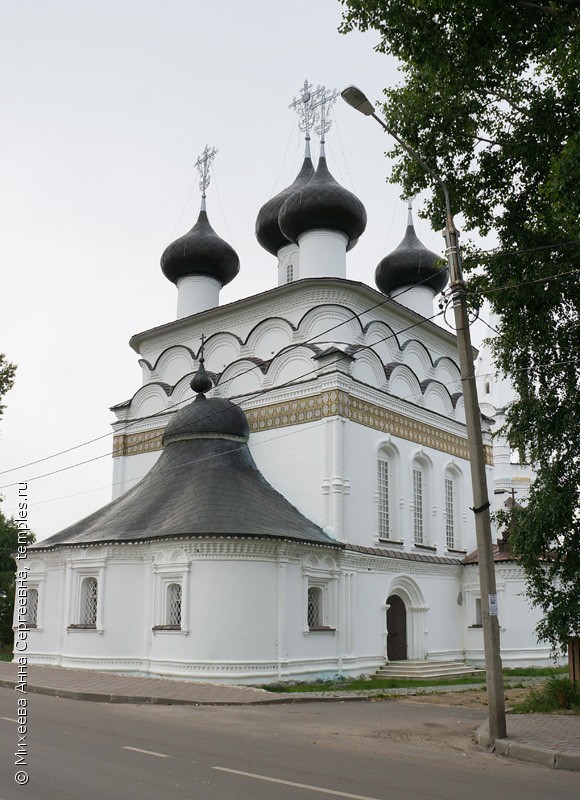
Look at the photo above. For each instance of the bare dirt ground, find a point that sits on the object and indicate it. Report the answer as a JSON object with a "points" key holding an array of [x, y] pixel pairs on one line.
{"points": [[475, 699]]}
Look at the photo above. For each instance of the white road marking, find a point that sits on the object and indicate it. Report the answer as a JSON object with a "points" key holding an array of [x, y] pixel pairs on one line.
{"points": [[334, 792], [9, 719], [147, 752]]}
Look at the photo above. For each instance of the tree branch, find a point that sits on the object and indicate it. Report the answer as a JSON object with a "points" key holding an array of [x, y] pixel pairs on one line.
{"points": [[488, 141], [554, 12]]}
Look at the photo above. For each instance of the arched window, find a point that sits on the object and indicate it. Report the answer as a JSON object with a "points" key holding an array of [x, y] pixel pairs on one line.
{"points": [[450, 505], [89, 598], [383, 492], [32, 607], [289, 273], [451, 508], [174, 605], [387, 483], [314, 607], [421, 497], [418, 503]]}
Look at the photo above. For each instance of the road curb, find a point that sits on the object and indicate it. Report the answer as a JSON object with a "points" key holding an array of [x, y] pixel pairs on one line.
{"points": [[120, 699], [528, 752]]}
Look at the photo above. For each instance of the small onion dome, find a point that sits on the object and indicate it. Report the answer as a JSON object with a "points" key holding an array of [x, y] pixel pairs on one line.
{"points": [[410, 264], [268, 231], [200, 252], [323, 204], [213, 418]]}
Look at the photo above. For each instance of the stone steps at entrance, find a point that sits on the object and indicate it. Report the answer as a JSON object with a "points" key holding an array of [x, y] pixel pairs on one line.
{"points": [[427, 669]]}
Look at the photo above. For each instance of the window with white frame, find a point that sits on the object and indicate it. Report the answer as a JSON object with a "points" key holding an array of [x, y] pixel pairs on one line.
{"points": [[320, 598], [173, 605], [89, 601], [32, 607], [290, 273], [418, 504], [383, 489], [478, 617], [171, 593]]}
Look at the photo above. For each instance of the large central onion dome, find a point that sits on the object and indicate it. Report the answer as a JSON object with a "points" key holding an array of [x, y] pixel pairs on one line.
{"points": [[411, 264], [200, 252], [323, 204], [268, 230]]}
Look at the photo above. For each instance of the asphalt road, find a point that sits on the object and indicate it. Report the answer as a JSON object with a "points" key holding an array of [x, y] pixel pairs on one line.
{"points": [[391, 750]]}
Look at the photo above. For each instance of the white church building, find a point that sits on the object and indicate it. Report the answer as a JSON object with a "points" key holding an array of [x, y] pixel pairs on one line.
{"points": [[291, 480]]}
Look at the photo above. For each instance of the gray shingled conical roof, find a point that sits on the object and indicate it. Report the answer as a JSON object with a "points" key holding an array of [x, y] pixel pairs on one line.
{"points": [[204, 484], [268, 230]]}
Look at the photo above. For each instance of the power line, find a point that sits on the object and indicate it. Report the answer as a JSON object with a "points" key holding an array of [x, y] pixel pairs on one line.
{"points": [[172, 406], [254, 396], [487, 254]]}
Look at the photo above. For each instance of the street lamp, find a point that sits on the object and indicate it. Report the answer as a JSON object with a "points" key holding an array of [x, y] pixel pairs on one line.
{"points": [[496, 701]]}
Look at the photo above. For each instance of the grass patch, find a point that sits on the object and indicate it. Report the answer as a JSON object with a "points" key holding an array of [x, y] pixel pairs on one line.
{"points": [[558, 694], [533, 672], [6, 654], [362, 684], [365, 684]]}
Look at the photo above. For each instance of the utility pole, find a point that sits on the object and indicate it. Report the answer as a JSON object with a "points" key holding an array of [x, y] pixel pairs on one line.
{"points": [[490, 623]]}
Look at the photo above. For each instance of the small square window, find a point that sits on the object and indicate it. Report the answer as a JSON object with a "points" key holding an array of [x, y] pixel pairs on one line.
{"points": [[89, 600], [32, 608], [173, 616], [315, 618], [478, 617]]}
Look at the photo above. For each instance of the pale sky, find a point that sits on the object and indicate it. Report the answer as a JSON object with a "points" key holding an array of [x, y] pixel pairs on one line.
{"points": [[106, 107]]}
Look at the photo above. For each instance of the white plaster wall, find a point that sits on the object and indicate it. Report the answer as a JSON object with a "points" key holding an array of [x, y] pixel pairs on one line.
{"points": [[292, 460], [517, 619], [196, 293], [129, 470], [322, 254], [434, 629], [418, 298], [361, 450], [47, 638]]}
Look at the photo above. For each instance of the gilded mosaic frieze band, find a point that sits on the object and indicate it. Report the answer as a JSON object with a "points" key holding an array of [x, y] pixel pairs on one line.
{"points": [[131, 444], [317, 407]]}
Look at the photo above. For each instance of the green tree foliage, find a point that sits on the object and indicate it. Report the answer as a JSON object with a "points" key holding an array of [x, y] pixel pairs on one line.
{"points": [[7, 371], [489, 98], [8, 546], [8, 531]]}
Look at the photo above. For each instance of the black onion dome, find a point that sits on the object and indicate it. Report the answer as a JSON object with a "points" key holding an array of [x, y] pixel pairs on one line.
{"points": [[323, 204], [200, 252], [206, 419], [268, 231], [409, 264]]}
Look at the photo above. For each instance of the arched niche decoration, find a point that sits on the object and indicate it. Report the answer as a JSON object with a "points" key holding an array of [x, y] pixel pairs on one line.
{"points": [[269, 337], [368, 369], [417, 358], [403, 383], [437, 398], [315, 324]]}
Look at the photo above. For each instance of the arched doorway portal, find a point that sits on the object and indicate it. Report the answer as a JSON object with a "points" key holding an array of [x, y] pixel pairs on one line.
{"points": [[396, 629]]}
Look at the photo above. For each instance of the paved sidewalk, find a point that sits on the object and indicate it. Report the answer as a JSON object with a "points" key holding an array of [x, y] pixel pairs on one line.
{"points": [[552, 740], [549, 739]]}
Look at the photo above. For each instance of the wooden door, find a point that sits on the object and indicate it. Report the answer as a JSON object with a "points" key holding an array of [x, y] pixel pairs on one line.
{"points": [[396, 629]]}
